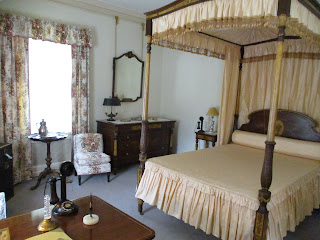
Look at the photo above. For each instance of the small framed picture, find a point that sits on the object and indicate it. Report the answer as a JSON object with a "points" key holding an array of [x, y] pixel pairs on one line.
{"points": [[4, 234]]}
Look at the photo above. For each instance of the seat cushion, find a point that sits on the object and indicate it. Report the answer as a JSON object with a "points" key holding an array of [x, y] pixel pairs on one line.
{"points": [[97, 169], [91, 158]]}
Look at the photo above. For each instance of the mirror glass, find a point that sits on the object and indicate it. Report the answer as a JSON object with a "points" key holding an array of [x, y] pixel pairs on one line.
{"points": [[127, 77]]}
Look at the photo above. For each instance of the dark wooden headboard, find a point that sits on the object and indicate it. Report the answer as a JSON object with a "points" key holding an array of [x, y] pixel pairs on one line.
{"points": [[289, 124]]}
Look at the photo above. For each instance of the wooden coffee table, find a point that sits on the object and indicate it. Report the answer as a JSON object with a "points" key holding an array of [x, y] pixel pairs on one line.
{"points": [[113, 224]]}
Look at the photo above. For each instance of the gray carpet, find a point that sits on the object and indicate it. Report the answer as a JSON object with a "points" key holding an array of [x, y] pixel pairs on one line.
{"points": [[120, 193]]}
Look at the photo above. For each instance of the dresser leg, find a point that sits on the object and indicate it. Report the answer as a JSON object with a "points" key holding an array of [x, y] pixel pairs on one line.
{"points": [[79, 179], [108, 175]]}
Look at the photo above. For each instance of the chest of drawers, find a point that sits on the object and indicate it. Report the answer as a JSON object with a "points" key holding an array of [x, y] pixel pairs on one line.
{"points": [[6, 170], [122, 140]]}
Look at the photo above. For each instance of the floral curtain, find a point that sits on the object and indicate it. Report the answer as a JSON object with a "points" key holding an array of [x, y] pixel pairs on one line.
{"points": [[14, 104], [80, 89]]}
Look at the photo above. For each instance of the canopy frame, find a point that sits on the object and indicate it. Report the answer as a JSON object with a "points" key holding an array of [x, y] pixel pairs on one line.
{"points": [[283, 13]]}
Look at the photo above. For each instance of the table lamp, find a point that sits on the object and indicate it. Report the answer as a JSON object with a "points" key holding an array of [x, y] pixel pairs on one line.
{"points": [[112, 102], [212, 113]]}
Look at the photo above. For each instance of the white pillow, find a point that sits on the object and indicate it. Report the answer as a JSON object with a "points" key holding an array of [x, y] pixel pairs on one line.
{"points": [[288, 146]]}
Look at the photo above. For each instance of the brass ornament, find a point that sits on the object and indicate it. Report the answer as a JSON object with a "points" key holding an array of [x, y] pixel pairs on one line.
{"points": [[47, 225], [279, 128]]}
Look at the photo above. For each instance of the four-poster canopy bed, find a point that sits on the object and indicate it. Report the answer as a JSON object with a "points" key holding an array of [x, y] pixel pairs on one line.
{"points": [[241, 32]]}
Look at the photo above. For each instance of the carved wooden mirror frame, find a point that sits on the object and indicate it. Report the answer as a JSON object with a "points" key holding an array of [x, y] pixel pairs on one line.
{"points": [[129, 55]]}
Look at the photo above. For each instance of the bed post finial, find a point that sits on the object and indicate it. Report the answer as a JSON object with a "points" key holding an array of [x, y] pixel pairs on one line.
{"points": [[261, 222], [144, 127]]}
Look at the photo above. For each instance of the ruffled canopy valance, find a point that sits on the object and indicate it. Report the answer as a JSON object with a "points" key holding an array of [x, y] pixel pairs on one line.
{"points": [[14, 25], [237, 21]]}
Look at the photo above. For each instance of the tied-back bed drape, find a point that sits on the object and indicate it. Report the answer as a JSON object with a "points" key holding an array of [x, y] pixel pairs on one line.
{"points": [[14, 103]]}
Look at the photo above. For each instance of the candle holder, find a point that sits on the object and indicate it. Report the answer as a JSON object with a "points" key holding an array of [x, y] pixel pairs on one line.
{"points": [[90, 219], [47, 224]]}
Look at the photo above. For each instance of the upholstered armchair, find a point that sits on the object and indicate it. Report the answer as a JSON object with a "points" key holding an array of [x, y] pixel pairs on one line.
{"points": [[2, 206], [89, 157]]}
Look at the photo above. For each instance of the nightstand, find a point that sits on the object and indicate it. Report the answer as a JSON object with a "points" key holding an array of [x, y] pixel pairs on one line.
{"points": [[206, 136]]}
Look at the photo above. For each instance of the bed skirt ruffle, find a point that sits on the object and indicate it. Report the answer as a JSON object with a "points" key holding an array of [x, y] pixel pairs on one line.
{"points": [[226, 215]]}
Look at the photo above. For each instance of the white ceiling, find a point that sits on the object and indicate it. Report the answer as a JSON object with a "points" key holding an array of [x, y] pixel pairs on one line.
{"points": [[140, 6]]}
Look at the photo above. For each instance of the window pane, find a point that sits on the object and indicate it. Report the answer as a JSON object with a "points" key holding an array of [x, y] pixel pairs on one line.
{"points": [[50, 74]]}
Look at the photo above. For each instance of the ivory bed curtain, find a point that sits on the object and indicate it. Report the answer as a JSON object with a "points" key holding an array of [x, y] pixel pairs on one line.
{"points": [[300, 79]]}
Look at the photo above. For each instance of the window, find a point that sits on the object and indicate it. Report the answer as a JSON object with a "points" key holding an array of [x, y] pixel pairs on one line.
{"points": [[50, 74]]}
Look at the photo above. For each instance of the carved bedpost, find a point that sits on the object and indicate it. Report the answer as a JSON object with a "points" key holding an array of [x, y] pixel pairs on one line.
{"points": [[261, 222], [144, 128], [236, 114]]}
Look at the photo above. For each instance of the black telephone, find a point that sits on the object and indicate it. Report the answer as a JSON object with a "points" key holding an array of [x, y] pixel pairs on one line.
{"points": [[200, 124], [63, 207]]}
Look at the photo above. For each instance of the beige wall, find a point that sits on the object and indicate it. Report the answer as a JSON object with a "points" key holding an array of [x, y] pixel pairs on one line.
{"points": [[191, 84], [182, 87]]}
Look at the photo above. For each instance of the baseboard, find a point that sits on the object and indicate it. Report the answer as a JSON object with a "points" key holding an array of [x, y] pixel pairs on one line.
{"points": [[36, 170]]}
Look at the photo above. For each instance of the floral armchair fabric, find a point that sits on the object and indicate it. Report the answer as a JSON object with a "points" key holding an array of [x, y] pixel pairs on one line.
{"points": [[88, 155], [2, 206]]}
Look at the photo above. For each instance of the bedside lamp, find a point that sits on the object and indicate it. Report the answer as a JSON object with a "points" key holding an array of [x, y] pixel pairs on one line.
{"points": [[212, 113], [112, 102]]}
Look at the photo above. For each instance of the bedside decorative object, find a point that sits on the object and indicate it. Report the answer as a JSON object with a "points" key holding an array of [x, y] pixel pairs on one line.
{"points": [[206, 136], [47, 224], [212, 113], [90, 219], [122, 140], [111, 102], [200, 124], [6, 170]]}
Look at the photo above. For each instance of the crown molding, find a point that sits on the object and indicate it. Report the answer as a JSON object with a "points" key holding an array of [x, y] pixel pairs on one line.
{"points": [[104, 8]]}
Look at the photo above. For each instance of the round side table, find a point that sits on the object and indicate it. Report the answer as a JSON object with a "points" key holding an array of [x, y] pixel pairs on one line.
{"points": [[48, 139]]}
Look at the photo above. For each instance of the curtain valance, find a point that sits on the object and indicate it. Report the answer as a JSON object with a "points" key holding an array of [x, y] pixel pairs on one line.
{"points": [[291, 49], [197, 43], [14, 25]]}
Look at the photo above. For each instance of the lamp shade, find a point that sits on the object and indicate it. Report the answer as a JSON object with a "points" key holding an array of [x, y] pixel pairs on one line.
{"points": [[112, 101], [212, 112]]}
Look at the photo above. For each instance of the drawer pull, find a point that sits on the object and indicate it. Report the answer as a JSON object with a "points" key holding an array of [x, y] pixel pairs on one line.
{"points": [[8, 156], [127, 154], [128, 137], [6, 166]]}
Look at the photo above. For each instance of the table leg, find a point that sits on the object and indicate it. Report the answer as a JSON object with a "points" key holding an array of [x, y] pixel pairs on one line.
{"points": [[207, 144], [47, 170], [213, 144], [48, 159], [197, 143]]}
